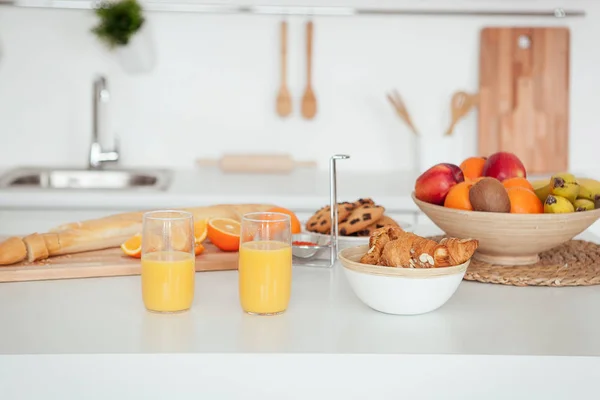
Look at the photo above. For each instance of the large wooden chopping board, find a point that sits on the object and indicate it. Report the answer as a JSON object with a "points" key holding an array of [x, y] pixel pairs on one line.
{"points": [[102, 263], [524, 95]]}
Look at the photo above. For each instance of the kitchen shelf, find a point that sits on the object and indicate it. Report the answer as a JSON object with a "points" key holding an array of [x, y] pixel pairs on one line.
{"points": [[194, 7]]}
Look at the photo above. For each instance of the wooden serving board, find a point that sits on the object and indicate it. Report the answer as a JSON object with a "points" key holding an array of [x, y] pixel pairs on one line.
{"points": [[524, 95], [103, 263]]}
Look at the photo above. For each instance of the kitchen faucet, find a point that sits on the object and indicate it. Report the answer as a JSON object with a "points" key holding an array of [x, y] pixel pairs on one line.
{"points": [[97, 155]]}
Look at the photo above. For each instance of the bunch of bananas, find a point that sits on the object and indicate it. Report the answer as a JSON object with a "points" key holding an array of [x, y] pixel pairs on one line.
{"points": [[565, 193]]}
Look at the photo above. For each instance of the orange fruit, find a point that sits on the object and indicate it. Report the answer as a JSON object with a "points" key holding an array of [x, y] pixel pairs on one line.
{"points": [[524, 201], [198, 249], [133, 246], [472, 168], [295, 222], [200, 230], [458, 197], [224, 233], [517, 182]]}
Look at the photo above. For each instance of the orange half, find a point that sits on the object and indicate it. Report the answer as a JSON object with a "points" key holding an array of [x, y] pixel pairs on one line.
{"points": [[133, 246], [224, 233]]}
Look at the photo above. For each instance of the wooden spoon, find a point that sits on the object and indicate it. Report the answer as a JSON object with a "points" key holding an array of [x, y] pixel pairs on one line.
{"points": [[396, 101], [309, 102], [284, 100], [460, 104]]}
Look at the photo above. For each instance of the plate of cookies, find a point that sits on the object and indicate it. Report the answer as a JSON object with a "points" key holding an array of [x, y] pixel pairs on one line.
{"points": [[357, 221]]}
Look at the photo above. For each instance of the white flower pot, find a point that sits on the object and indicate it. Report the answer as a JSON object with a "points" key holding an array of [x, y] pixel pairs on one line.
{"points": [[139, 55]]}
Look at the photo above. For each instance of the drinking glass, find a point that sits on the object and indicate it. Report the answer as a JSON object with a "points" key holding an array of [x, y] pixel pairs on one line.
{"points": [[265, 263], [168, 261]]}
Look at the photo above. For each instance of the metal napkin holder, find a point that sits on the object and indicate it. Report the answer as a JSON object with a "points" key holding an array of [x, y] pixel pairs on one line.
{"points": [[310, 255]]}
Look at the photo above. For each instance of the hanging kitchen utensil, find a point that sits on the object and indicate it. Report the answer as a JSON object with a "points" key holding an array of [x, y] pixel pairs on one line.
{"points": [[460, 105], [309, 101], [396, 101], [524, 96], [284, 100]]}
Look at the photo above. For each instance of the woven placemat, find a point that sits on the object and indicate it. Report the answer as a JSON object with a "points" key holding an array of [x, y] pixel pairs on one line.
{"points": [[575, 263]]}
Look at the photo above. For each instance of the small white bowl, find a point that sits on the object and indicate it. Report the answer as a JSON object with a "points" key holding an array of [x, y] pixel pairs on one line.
{"points": [[321, 243], [400, 291]]}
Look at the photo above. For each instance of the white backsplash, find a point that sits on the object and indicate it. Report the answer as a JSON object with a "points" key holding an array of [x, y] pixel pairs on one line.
{"points": [[213, 89]]}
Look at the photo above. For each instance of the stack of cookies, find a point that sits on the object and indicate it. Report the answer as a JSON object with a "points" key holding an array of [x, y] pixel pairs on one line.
{"points": [[359, 218]]}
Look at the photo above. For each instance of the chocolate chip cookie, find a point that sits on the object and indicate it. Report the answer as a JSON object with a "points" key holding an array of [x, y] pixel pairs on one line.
{"points": [[380, 223], [360, 218], [321, 221]]}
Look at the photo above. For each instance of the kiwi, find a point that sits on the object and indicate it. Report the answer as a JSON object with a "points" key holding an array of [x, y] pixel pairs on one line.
{"points": [[489, 195]]}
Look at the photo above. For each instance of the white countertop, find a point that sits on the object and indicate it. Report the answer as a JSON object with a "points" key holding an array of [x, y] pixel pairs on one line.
{"points": [[556, 330], [304, 189]]}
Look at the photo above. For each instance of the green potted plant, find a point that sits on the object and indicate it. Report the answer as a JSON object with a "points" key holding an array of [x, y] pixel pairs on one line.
{"points": [[123, 28]]}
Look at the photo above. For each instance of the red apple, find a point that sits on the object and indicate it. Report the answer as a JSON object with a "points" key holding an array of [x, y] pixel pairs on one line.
{"points": [[504, 165], [434, 184]]}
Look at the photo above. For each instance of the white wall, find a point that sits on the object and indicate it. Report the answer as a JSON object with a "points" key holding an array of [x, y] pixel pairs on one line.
{"points": [[214, 87]]}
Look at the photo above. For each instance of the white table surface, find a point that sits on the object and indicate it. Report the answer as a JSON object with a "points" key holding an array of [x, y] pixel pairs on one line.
{"points": [[509, 339]]}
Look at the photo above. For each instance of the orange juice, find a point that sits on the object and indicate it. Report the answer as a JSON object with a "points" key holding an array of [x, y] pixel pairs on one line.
{"points": [[265, 276], [168, 280]]}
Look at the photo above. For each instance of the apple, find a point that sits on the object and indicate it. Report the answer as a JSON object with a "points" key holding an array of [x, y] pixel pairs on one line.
{"points": [[434, 184], [504, 165]]}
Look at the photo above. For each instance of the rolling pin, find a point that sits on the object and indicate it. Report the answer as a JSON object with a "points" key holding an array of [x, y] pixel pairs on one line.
{"points": [[256, 163]]}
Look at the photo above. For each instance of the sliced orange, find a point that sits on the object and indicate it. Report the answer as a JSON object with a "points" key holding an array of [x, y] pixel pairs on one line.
{"points": [[224, 233], [200, 230], [133, 246], [181, 240], [198, 249]]}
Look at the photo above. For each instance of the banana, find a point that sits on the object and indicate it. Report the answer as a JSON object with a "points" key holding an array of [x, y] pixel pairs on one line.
{"points": [[538, 183], [588, 189], [583, 205], [564, 185], [557, 205], [542, 191]]}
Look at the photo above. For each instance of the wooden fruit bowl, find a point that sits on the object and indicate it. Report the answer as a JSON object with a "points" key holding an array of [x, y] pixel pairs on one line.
{"points": [[509, 239]]}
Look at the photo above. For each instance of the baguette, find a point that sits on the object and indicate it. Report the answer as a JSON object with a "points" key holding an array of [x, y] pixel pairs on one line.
{"points": [[36, 247], [102, 233], [12, 251]]}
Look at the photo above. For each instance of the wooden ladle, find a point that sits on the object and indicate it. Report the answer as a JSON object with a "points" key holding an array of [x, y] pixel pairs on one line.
{"points": [[284, 99], [309, 101], [461, 104]]}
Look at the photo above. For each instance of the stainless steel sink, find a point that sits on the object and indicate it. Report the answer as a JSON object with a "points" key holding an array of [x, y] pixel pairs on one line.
{"points": [[74, 178]]}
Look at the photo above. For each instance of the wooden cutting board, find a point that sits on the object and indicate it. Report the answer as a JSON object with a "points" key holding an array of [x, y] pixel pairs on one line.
{"points": [[524, 95], [102, 263]]}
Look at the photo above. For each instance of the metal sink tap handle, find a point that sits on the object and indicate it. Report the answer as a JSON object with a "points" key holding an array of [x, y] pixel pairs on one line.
{"points": [[97, 156]]}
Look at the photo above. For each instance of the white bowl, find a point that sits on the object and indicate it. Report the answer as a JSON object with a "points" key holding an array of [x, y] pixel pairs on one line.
{"points": [[400, 291], [322, 243]]}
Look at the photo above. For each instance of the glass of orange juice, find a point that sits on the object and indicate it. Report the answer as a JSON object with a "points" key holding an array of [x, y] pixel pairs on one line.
{"points": [[265, 263], [168, 261]]}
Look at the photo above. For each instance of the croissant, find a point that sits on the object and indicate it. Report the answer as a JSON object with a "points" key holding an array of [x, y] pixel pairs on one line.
{"points": [[379, 238], [407, 250]]}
